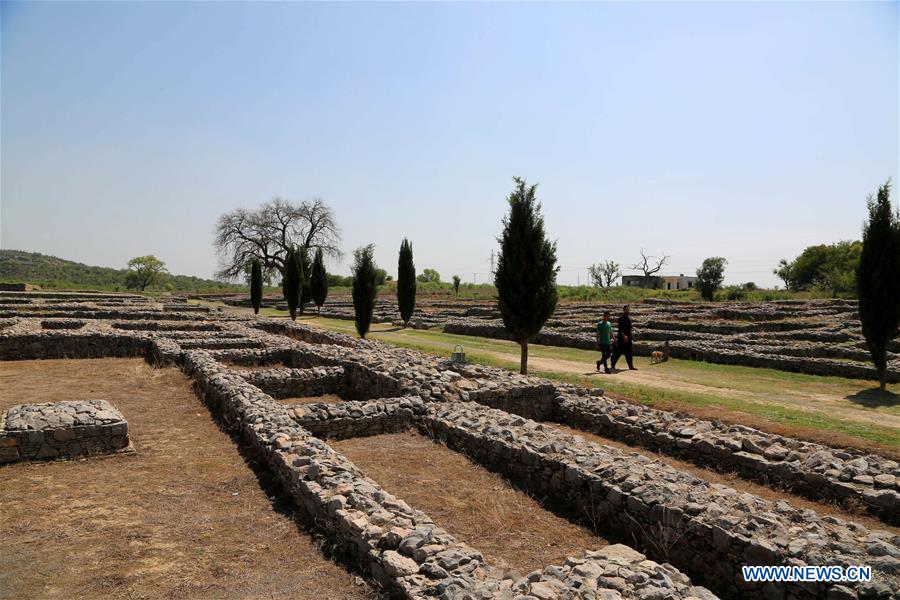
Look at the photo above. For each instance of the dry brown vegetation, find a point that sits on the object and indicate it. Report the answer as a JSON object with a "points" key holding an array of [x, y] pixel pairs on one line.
{"points": [[184, 516], [480, 508]]}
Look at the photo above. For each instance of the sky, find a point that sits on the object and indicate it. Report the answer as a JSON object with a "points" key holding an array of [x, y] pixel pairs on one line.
{"points": [[747, 130]]}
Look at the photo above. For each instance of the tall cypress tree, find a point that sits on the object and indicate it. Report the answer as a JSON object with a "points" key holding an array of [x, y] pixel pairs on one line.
{"points": [[878, 278], [406, 281], [256, 285], [292, 282], [318, 281], [526, 271], [365, 290], [306, 268]]}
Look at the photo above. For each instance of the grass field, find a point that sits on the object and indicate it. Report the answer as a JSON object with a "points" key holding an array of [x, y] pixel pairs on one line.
{"points": [[831, 410]]}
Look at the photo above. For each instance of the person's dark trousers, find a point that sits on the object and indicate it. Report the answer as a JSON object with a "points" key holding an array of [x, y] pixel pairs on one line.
{"points": [[622, 348], [606, 352]]}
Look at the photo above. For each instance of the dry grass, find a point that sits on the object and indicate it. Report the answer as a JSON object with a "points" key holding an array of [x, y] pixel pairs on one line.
{"points": [[184, 516], [480, 508], [732, 480]]}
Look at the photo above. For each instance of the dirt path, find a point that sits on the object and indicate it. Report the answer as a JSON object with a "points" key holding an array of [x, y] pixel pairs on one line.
{"points": [[665, 380]]}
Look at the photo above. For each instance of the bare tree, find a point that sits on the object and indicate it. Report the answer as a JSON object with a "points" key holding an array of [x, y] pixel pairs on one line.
{"points": [[605, 273], [650, 265], [267, 232]]}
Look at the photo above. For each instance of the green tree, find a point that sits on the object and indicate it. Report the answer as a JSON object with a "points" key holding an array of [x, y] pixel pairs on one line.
{"points": [[365, 290], [710, 276], [456, 281], [406, 281], [526, 270], [605, 273], [306, 263], [292, 281], [318, 281], [144, 271], [381, 276], [429, 276], [878, 278], [256, 285], [826, 266], [783, 271]]}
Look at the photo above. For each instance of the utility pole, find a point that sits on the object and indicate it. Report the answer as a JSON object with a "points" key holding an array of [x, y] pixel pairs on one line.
{"points": [[492, 263]]}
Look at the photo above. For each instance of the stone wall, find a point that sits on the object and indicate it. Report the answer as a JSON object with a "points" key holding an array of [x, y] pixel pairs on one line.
{"points": [[62, 324], [297, 383], [398, 545], [71, 344], [806, 468], [357, 418], [66, 429], [706, 529]]}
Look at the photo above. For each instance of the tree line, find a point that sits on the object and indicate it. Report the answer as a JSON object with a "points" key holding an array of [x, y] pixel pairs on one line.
{"points": [[525, 277]]}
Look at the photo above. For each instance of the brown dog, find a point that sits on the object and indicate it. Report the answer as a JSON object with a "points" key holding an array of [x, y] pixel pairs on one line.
{"points": [[656, 357]]}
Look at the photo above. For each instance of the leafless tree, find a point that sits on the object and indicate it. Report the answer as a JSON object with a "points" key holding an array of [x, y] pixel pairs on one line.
{"points": [[650, 265], [268, 231]]}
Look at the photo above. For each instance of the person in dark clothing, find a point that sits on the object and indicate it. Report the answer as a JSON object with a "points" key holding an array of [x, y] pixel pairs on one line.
{"points": [[623, 340]]}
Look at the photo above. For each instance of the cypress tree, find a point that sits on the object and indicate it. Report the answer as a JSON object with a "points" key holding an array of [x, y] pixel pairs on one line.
{"points": [[318, 281], [526, 271], [878, 278], [256, 285], [365, 289], [292, 282], [406, 281], [305, 290]]}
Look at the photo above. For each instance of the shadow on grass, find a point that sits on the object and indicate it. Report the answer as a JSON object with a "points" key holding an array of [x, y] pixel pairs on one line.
{"points": [[874, 398]]}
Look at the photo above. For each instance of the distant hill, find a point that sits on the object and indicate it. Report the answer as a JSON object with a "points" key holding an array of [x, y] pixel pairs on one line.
{"points": [[46, 271]]}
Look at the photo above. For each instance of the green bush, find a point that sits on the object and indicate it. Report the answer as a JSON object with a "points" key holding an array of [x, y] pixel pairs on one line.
{"points": [[734, 293]]}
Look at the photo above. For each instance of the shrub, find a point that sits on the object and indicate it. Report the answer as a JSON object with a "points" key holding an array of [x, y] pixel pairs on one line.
{"points": [[735, 293], [429, 276]]}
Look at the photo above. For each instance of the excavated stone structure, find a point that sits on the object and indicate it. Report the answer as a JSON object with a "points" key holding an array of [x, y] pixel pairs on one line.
{"points": [[686, 531], [818, 337]]}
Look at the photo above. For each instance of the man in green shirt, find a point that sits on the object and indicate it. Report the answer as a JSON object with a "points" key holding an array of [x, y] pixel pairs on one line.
{"points": [[604, 338]]}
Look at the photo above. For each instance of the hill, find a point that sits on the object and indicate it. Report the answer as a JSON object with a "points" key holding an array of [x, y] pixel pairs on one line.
{"points": [[46, 271]]}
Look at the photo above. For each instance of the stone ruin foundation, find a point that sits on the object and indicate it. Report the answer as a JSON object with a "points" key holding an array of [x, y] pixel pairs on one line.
{"points": [[68, 429], [672, 532]]}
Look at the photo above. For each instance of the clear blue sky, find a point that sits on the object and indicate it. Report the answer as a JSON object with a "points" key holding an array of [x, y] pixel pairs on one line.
{"points": [[746, 130]]}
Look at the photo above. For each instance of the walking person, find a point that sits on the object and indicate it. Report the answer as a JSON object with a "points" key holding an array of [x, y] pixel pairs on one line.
{"points": [[623, 340], [604, 339]]}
